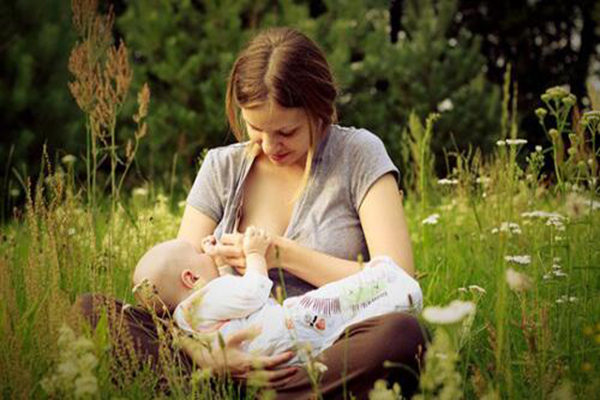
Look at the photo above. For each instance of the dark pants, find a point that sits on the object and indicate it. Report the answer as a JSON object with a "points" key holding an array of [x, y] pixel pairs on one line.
{"points": [[355, 361]]}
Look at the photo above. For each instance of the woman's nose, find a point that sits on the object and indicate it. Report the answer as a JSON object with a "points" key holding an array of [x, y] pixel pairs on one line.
{"points": [[269, 143]]}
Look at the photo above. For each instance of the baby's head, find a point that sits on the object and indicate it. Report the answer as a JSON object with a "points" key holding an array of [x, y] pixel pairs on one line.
{"points": [[174, 268]]}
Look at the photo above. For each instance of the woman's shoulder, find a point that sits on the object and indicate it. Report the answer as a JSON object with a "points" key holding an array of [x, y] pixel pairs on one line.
{"points": [[229, 156], [351, 142]]}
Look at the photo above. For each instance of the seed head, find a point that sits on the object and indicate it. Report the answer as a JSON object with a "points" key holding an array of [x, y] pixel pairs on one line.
{"points": [[541, 113]]}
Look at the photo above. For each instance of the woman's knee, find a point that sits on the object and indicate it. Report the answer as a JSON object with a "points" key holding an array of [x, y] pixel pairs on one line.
{"points": [[88, 307], [402, 338]]}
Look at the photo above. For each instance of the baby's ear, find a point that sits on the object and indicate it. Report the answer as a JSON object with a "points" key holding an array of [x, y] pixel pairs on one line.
{"points": [[188, 278]]}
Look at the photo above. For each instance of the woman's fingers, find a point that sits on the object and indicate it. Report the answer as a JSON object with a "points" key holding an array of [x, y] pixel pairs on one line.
{"points": [[280, 378], [271, 362], [275, 378], [236, 339], [234, 239], [229, 251]]}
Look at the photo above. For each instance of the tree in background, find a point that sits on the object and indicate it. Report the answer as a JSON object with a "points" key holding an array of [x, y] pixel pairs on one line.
{"points": [[184, 49], [547, 44], [35, 103], [423, 68], [390, 57]]}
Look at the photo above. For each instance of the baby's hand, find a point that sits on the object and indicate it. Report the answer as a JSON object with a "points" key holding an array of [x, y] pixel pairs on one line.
{"points": [[256, 241], [208, 244]]}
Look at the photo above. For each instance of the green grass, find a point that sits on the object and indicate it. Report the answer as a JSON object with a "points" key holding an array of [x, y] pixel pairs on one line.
{"points": [[521, 344]]}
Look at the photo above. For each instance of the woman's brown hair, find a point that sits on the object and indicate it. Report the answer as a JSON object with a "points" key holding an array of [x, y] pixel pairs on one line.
{"points": [[285, 66]]}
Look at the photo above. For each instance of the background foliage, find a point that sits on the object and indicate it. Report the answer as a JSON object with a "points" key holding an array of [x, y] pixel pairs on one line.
{"points": [[390, 58]]}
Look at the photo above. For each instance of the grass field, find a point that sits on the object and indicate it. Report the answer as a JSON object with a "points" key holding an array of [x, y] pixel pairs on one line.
{"points": [[515, 243], [521, 254]]}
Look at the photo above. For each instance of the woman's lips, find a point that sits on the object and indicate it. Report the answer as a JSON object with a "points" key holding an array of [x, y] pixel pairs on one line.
{"points": [[279, 157]]}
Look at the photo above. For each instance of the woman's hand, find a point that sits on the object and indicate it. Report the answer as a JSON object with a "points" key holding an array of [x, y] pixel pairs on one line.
{"points": [[239, 364], [231, 250]]}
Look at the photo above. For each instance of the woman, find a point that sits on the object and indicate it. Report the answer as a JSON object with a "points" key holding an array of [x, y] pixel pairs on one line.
{"points": [[327, 196]]}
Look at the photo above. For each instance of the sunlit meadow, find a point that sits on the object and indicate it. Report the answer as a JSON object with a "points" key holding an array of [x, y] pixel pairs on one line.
{"points": [[506, 249]]}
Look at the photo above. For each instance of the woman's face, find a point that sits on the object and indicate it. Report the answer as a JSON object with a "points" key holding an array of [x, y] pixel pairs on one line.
{"points": [[282, 133]]}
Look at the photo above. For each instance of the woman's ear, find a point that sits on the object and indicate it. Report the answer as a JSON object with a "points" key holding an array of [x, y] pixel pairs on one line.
{"points": [[188, 278]]}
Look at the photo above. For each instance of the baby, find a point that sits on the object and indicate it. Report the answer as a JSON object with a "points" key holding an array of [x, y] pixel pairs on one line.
{"points": [[188, 282]]}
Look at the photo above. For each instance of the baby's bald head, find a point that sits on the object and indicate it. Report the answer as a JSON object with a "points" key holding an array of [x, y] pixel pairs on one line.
{"points": [[173, 268]]}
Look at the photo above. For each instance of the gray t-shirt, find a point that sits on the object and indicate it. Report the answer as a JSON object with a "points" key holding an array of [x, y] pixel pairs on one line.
{"points": [[325, 217]]}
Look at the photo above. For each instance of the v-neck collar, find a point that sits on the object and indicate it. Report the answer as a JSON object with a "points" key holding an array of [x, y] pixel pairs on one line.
{"points": [[298, 204]]}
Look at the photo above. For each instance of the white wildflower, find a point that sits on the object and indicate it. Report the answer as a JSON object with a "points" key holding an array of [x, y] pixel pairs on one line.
{"points": [[140, 192], [431, 220], [454, 312], [510, 227], [357, 65], [319, 366], [501, 143], [380, 391], [345, 98], [547, 277], [566, 299], [542, 214], [445, 105], [559, 274], [538, 149], [86, 386], [523, 260], [446, 181], [69, 159], [517, 281], [477, 289], [515, 142], [484, 180], [557, 223]]}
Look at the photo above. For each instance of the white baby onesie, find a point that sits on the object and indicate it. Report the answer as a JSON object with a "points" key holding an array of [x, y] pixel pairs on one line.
{"points": [[314, 320]]}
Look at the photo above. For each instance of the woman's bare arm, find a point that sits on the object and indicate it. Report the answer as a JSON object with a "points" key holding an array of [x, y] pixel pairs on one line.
{"points": [[382, 218], [195, 226]]}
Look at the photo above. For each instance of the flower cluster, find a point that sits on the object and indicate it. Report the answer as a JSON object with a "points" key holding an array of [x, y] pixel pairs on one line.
{"points": [[476, 289], [380, 391], [556, 270], [511, 142], [431, 220], [447, 182], [74, 374], [566, 299], [522, 260], [510, 227], [454, 312]]}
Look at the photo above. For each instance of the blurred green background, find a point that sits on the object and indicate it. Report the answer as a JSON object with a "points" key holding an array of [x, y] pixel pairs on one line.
{"points": [[389, 58]]}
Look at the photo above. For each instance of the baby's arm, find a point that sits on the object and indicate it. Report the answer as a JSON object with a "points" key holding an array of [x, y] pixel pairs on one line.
{"points": [[229, 297], [255, 245]]}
